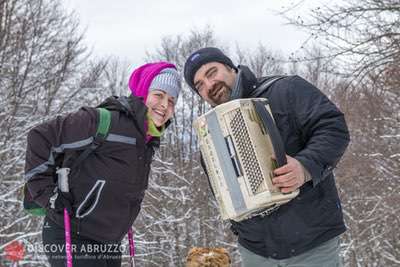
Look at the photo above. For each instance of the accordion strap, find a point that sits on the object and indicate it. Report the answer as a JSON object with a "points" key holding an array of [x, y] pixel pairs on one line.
{"points": [[265, 84], [268, 211], [273, 132]]}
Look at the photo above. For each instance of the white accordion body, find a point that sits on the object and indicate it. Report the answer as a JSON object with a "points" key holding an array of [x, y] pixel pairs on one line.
{"points": [[237, 150]]}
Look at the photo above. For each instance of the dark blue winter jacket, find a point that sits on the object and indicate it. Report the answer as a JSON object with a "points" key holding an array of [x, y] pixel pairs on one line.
{"points": [[314, 132]]}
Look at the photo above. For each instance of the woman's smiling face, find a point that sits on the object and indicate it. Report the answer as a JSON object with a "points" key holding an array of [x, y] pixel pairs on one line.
{"points": [[160, 106]]}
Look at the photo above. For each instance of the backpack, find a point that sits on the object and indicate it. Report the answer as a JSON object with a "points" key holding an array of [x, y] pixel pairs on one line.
{"points": [[101, 134]]}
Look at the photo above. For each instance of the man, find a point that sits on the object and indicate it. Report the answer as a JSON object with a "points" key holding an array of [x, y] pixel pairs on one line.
{"points": [[305, 231]]}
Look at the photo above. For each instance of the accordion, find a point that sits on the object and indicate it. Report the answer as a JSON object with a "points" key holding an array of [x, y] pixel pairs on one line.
{"points": [[238, 141]]}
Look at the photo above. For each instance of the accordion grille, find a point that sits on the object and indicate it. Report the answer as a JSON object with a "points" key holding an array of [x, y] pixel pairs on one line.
{"points": [[247, 154]]}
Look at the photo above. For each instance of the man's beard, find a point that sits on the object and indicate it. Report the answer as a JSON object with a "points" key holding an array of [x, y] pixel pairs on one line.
{"points": [[220, 93]]}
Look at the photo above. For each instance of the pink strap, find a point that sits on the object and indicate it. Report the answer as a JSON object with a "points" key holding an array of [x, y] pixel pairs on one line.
{"points": [[131, 246], [67, 227]]}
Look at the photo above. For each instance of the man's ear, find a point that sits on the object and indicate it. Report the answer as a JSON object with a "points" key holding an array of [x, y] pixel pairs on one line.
{"points": [[234, 70], [229, 68]]}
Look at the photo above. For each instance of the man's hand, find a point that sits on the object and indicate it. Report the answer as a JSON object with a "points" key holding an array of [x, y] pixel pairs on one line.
{"points": [[289, 177]]}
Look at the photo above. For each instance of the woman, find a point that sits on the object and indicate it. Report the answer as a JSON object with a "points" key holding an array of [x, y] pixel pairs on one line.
{"points": [[106, 190]]}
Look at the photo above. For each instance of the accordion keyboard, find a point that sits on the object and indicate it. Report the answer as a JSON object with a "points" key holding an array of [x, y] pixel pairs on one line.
{"points": [[250, 163]]}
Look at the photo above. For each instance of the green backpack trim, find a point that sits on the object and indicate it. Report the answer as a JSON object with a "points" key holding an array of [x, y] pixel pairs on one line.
{"points": [[37, 211], [105, 122], [103, 128]]}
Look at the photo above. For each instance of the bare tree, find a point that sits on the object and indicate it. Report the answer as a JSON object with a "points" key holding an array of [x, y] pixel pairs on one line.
{"points": [[261, 61], [369, 177], [41, 53], [364, 35]]}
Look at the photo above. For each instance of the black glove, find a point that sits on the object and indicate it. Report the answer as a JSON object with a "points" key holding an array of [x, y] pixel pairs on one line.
{"points": [[60, 201]]}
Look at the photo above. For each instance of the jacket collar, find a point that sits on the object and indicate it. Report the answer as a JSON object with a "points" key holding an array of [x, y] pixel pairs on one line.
{"points": [[248, 81], [134, 107]]}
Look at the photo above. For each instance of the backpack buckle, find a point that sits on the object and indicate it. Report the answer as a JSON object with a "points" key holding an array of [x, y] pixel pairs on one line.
{"points": [[98, 140]]}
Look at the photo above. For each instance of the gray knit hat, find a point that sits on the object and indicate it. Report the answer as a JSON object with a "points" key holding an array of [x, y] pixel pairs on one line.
{"points": [[169, 81]]}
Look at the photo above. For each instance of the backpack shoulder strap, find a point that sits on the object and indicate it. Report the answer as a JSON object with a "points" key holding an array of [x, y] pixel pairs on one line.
{"points": [[265, 84], [104, 122], [103, 127]]}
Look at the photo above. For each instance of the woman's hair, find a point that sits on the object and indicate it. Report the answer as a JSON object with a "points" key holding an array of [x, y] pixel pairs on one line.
{"points": [[208, 257]]}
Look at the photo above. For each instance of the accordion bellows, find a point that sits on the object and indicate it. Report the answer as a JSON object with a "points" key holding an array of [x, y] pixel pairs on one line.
{"points": [[237, 141]]}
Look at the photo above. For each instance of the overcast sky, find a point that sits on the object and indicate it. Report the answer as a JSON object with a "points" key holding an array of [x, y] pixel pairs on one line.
{"points": [[129, 28]]}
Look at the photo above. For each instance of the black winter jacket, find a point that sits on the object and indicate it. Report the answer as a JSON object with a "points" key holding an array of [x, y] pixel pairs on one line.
{"points": [[108, 187], [314, 132]]}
